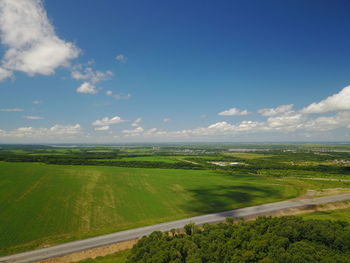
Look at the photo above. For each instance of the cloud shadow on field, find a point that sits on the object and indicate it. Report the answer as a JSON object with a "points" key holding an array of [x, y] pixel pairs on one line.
{"points": [[221, 198]]}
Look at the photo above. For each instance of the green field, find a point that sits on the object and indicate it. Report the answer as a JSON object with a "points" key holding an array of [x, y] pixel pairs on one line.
{"points": [[144, 159], [338, 214], [52, 195], [47, 204], [119, 257], [249, 155]]}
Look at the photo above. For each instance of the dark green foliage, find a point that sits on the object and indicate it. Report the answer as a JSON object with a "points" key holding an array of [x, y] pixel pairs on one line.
{"points": [[85, 158], [293, 158], [229, 220], [266, 240]]}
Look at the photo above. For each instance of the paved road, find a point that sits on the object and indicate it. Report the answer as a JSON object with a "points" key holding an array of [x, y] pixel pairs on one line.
{"points": [[99, 241]]}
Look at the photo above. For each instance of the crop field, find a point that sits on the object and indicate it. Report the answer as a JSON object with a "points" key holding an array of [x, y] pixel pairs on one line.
{"points": [[52, 195], [45, 204]]}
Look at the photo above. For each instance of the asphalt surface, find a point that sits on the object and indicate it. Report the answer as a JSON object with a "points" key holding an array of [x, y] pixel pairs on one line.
{"points": [[99, 241]]}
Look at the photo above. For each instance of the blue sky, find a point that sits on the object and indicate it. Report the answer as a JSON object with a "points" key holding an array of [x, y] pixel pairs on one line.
{"points": [[139, 71]]}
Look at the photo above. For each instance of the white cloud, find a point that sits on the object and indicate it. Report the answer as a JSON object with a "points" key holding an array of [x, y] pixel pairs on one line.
{"points": [[234, 112], [136, 122], [152, 130], [88, 74], [276, 111], [30, 132], [87, 88], [37, 102], [108, 121], [33, 117], [138, 129], [12, 110], [102, 128], [62, 129], [4, 74], [90, 78], [327, 123], [118, 96], [32, 45], [121, 58], [223, 125], [287, 122], [336, 102], [166, 120], [227, 128]]}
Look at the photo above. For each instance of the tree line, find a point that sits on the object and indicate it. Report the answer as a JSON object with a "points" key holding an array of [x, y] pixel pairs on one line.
{"points": [[265, 240], [93, 159]]}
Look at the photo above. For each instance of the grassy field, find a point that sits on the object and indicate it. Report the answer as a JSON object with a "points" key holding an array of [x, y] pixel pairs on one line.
{"points": [[249, 155], [44, 204], [165, 159], [338, 214], [119, 257], [302, 173]]}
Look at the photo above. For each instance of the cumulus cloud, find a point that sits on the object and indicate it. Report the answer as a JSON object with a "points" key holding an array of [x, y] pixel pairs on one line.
{"points": [[31, 132], [121, 58], [118, 96], [337, 102], [33, 117], [141, 132], [78, 73], [223, 125], [166, 120], [65, 129], [276, 111], [32, 45], [287, 122], [152, 130], [136, 122], [90, 78], [327, 123], [138, 129], [234, 112], [227, 128], [12, 109], [87, 88], [102, 128], [4, 74], [108, 121]]}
